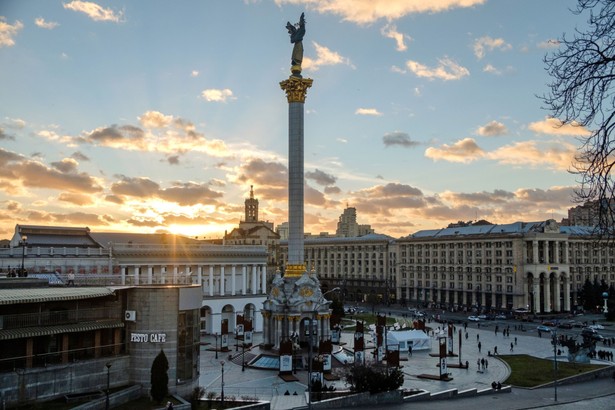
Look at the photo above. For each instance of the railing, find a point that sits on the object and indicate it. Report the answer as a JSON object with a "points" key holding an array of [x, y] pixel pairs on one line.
{"points": [[59, 317], [8, 364]]}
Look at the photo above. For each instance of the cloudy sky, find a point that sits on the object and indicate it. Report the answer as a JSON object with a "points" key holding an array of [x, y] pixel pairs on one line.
{"points": [[144, 116]]}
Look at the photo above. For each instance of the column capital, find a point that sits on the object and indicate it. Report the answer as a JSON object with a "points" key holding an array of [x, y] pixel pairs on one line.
{"points": [[296, 88]]}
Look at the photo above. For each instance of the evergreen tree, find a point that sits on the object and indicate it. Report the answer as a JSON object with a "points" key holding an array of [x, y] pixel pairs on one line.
{"points": [[159, 377]]}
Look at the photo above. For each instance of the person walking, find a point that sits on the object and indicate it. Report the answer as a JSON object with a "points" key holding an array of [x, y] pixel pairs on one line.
{"points": [[495, 350], [511, 346], [479, 346], [515, 340], [486, 364]]}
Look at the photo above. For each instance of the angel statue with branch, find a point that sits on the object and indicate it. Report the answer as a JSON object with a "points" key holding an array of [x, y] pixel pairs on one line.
{"points": [[297, 31]]}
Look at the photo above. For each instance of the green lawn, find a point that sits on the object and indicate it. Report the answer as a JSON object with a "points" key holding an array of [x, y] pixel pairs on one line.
{"points": [[528, 371]]}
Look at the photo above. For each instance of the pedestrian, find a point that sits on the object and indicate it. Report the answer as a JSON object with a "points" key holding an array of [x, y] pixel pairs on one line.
{"points": [[477, 337], [486, 364], [515, 341], [495, 350], [478, 365], [493, 385], [511, 346], [71, 279], [482, 363], [410, 350], [479, 346], [466, 335]]}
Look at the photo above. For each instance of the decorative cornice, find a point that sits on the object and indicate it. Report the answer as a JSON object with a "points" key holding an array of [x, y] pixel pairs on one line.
{"points": [[294, 271], [296, 88]]}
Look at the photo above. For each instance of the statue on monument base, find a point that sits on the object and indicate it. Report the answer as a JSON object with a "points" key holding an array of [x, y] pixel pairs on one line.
{"points": [[297, 31]]}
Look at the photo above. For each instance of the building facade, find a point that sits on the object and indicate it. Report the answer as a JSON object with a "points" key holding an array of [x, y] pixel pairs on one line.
{"points": [[59, 341], [232, 279], [540, 266], [362, 267]]}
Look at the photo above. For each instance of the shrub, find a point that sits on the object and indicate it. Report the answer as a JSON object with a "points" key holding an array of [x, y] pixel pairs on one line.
{"points": [[374, 379]]}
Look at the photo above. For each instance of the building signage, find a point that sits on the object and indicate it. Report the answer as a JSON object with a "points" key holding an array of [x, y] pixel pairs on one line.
{"points": [[148, 337]]}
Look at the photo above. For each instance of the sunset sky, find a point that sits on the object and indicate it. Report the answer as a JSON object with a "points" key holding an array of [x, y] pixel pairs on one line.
{"points": [[147, 116]]}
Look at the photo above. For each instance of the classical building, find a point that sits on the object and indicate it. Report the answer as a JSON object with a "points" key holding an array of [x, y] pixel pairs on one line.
{"points": [[252, 231], [363, 267], [232, 278], [536, 265]]}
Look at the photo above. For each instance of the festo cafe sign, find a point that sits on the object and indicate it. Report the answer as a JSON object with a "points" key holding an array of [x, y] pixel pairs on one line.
{"points": [[148, 337]]}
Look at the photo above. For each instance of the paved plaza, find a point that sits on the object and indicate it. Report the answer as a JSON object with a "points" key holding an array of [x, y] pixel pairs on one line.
{"points": [[266, 385]]}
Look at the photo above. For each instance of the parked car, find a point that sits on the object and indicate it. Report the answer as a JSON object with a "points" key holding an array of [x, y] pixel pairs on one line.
{"points": [[543, 328], [473, 319], [596, 327], [588, 331], [500, 317], [482, 317], [565, 325], [548, 323]]}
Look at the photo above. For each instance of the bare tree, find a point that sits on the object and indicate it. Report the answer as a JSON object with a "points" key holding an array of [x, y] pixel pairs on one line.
{"points": [[582, 93]]}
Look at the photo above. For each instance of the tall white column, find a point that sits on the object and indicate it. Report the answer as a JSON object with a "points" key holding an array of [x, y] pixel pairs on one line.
{"points": [[556, 251], [567, 294], [263, 279], [199, 275], [211, 280], [557, 306], [535, 251], [547, 287], [163, 274], [150, 274], [254, 280], [244, 279], [123, 275], [233, 280], [221, 280], [135, 271], [175, 269], [537, 295]]}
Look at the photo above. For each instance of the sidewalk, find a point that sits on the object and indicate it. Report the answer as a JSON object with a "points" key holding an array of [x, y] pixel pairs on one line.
{"points": [[266, 385]]}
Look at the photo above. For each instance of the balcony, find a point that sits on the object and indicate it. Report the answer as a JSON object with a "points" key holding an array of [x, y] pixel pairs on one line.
{"points": [[58, 317]]}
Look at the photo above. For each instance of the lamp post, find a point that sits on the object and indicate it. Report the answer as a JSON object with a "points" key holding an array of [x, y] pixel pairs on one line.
{"points": [[605, 296], [216, 335], [554, 342], [23, 242], [243, 355], [108, 365], [222, 392]]}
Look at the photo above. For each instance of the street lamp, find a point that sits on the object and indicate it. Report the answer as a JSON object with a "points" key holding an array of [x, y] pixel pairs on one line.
{"points": [[23, 242], [554, 342], [216, 335], [222, 395], [243, 355], [605, 296], [108, 365]]}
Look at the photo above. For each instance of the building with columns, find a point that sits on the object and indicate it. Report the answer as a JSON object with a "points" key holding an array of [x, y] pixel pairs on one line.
{"points": [[540, 266], [363, 267], [233, 279]]}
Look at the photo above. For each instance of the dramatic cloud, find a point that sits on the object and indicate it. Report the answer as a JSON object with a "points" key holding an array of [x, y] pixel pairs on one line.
{"points": [[464, 151], [553, 126], [136, 187], [390, 31], [94, 11], [324, 57], [555, 155], [490, 44], [7, 32], [217, 95], [155, 119], [5, 136], [264, 174], [165, 134], [67, 165], [79, 156], [498, 196], [369, 11], [76, 199], [492, 129], [368, 111], [446, 70], [320, 177], [49, 25], [399, 138], [189, 193]]}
